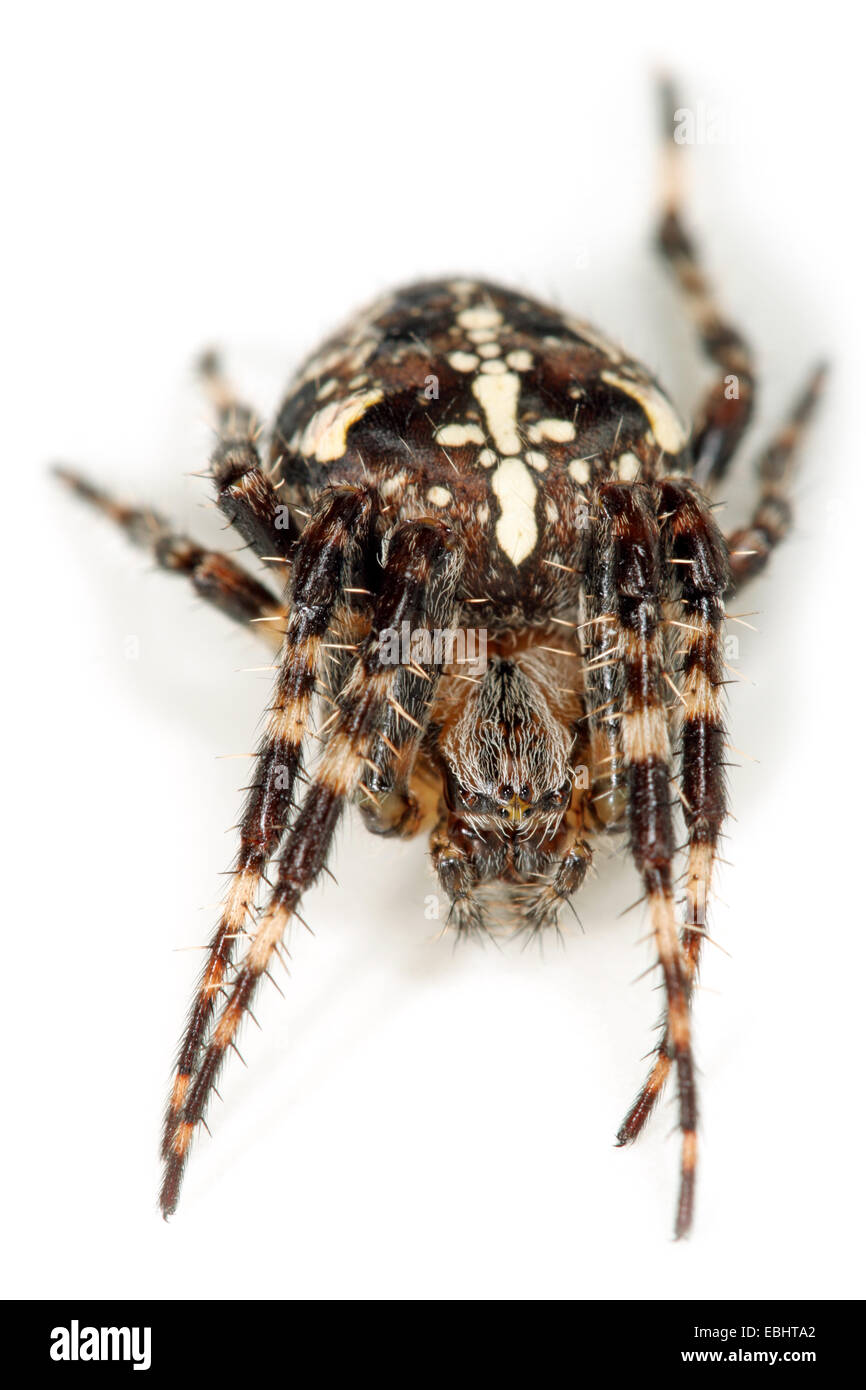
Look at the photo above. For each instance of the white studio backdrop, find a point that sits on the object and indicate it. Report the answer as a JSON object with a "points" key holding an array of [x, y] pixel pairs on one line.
{"points": [[415, 1121]]}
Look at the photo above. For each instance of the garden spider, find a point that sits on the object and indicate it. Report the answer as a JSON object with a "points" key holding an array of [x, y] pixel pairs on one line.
{"points": [[463, 456]]}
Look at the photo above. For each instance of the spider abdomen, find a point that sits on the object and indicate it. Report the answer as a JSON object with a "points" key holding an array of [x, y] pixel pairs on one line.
{"points": [[463, 400]]}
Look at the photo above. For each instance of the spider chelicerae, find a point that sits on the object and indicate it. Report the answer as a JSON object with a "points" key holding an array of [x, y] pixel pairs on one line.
{"points": [[462, 457]]}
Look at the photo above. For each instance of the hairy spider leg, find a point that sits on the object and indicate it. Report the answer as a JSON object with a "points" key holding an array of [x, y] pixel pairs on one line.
{"points": [[334, 542], [245, 493], [461, 863], [418, 585], [629, 555], [727, 407], [695, 552], [401, 803], [215, 577], [571, 854], [603, 683], [750, 547]]}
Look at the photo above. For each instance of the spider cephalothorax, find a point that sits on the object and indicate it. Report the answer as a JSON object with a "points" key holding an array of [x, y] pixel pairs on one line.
{"points": [[506, 752], [464, 460]]}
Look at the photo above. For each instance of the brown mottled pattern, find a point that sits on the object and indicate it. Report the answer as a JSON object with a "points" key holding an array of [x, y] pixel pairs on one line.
{"points": [[409, 340]]}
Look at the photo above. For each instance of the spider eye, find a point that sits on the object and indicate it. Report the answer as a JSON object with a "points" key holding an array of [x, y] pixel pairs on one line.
{"points": [[559, 798], [458, 797]]}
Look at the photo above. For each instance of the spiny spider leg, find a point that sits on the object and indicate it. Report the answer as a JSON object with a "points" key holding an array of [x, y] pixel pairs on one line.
{"points": [[697, 556], [215, 577], [703, 574], [629, 548], [422, 569], [461, 863], [398, 807], [751, 546], [396, 810], [541, 903], [602, 676], [727, 407], [334, 543], [729, 403], [245, 493]]}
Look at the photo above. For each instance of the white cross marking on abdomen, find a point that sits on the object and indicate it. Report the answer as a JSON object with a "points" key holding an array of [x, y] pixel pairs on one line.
{"points": [[513, 484]]}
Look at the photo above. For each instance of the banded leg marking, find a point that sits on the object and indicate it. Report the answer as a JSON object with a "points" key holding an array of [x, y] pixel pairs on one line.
{"points": [[603, 677], [215, 577], [727, 407], [629, 536], [750, 547], [337, 534], [423, 562], [245, 494], [700, 575]]}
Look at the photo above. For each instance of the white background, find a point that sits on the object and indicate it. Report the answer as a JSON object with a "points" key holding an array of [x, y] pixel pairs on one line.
{"points": [[414, 1121]]}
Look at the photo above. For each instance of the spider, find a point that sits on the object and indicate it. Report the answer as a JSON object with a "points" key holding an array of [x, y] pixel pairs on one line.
{"points": [[462, 456]]}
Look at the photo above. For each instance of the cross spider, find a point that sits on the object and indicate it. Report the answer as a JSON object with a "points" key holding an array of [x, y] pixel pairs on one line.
{"points": [[461, 455]]}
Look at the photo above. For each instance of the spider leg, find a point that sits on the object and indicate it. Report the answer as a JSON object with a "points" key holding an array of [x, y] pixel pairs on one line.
{"points": [[542, 903], [406, 796], [727, 407], [462, 862], [603, 679], [628, 551], [697, 555], [327, 554], [215, 577], [395, 810], [245, 493], [418, 585], [405, 792], [751, 546]]}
